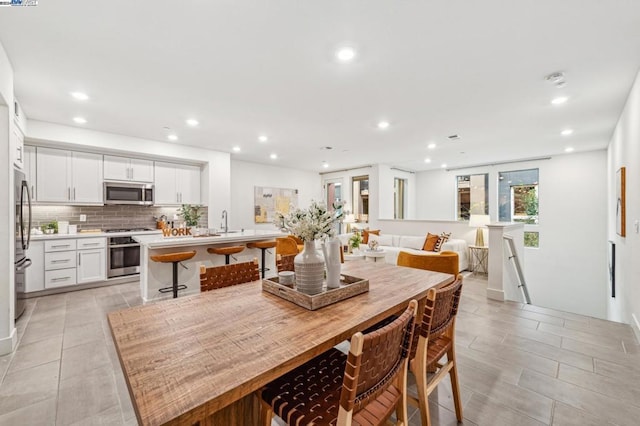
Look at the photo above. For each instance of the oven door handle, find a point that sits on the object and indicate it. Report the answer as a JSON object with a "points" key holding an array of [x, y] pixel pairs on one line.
{"points": [[123, 245]]}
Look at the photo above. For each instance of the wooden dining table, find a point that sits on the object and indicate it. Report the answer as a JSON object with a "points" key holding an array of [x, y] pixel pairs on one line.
{"points": [[199, 359]]}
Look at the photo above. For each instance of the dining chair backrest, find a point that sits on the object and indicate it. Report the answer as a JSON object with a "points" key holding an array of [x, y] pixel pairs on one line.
{"points": [[285, 262], [440, 310], [376, 360], [285, 246], [446, 261], [228, 275]]}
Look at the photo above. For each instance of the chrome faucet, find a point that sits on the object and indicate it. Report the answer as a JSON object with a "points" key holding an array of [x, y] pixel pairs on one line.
{"points": [[226, 225]]}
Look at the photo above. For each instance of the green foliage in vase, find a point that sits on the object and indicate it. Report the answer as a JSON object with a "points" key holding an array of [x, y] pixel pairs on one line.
{"points": [[355, 240], [190, 213]]}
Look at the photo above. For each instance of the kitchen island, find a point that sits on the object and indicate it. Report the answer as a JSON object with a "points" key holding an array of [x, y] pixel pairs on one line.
{"points": [[154, 275]]}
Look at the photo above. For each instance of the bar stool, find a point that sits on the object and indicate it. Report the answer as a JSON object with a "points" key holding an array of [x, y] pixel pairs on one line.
{"points": [[264, 246], [226, 251], [174, 258]]}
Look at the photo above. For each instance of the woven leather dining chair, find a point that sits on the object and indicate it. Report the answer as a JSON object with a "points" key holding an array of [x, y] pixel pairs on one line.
{"points": [[446, 262], [364, 387], [228, 275], [285, 262], [435, 338]]}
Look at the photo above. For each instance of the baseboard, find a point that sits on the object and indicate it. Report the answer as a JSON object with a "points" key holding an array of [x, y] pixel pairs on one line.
{"points": [[495, 294], [8, 344], [635, 325]]}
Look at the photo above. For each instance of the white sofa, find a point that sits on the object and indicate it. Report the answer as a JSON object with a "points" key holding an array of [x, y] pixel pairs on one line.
{"points": [[394, 244]]}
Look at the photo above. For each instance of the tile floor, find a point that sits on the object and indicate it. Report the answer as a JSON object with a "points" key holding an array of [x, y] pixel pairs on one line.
{"points": [[518, 365]]}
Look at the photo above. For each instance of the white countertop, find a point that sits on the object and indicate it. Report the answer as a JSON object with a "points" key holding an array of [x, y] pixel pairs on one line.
{"points": [[42, 237], [158, 241]]}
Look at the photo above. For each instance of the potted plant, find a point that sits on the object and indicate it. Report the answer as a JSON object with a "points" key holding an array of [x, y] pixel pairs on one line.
{"points": [[50, 228], [355, 241], [191, 214]]}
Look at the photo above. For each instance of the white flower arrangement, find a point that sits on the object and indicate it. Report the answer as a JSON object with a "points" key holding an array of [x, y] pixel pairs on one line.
{"points": [[314, 223]]}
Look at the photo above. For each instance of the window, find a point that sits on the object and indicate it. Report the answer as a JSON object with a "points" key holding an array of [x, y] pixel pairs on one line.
{"points": [[399, 198], [518, 196], [333, 191], [360, 198], [472, 195]]}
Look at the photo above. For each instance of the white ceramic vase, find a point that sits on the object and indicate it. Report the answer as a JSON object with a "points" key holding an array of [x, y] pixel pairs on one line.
{"points": [[309, 269], [331, 250]]}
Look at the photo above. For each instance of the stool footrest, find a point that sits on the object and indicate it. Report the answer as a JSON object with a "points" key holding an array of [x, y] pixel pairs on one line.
{"points": [[168, 289]]}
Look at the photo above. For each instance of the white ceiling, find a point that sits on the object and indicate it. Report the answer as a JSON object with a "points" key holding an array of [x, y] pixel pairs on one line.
{"points": [[243, 68]]}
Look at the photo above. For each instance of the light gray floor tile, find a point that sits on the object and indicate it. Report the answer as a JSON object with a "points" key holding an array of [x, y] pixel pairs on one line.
{"points": [[41, 413], [36, 353], [625, 374], [109, 417], [565, 415], [27, 387], [43, 329], [606, 341], [552, 352], [485, 411], [556, 313], [618, 412], [599, 352], [82, 359], [601, 384], [84, 396], [81, 334], [515, 356]]}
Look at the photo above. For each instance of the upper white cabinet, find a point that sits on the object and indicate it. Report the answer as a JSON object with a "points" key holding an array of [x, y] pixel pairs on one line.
{"points": [[68, 177], [30, 169], [17, 147], [127, 169], [176, 184]]}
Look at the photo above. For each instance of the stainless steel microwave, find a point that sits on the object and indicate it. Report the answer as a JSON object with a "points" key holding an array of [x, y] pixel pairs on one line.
{"points": [[140, 194]]}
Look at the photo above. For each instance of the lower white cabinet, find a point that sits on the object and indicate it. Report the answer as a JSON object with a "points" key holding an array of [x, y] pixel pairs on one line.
{"points": [[69, 262], [91, 266]]}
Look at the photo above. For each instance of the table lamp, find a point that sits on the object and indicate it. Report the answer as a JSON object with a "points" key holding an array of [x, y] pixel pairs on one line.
{"points": [[479, 221]]}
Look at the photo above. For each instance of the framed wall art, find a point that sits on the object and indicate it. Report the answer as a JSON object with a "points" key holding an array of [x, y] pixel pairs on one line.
{"points": [[620, 202], [268, 201]]}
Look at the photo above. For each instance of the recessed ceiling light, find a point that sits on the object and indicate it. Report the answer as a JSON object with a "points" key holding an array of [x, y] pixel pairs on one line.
{"points": [[559, 100], [568, 149], [566, 132], [346, 54], [443, 165], [383, 125], [80, 120], [427, 160], [325, 165], [273, 156], [263, 138], [431, 146], [80, 96], [172, 137], [192, 122], [236, 149]]}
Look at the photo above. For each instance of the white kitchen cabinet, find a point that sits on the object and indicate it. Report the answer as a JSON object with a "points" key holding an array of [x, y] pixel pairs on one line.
{"points": [[59, 278], [34, 274], [68, 177], [127, 169], [176, 184], [17, 145], [86, 170], [30, 169], [91, 266]]}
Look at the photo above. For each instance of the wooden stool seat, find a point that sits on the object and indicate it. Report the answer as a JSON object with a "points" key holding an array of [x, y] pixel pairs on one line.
{"points": [[225, 251], [173, 258], [263, 246]]}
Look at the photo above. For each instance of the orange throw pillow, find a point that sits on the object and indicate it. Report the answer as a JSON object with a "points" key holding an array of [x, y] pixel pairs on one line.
{"points": [[365, 235], [430, 242]]}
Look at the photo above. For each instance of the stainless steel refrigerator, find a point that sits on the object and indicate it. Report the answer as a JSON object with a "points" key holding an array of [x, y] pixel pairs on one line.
{"points": [[23, 237]]}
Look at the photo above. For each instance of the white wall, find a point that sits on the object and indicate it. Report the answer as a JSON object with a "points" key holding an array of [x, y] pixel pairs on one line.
{"points": [[569, 270], [7, 291], [215, 188], [245, 176], [624, 151]]}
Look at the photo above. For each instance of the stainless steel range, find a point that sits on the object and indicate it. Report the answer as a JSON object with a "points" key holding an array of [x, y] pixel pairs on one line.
{"points": [[123, 254]]}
